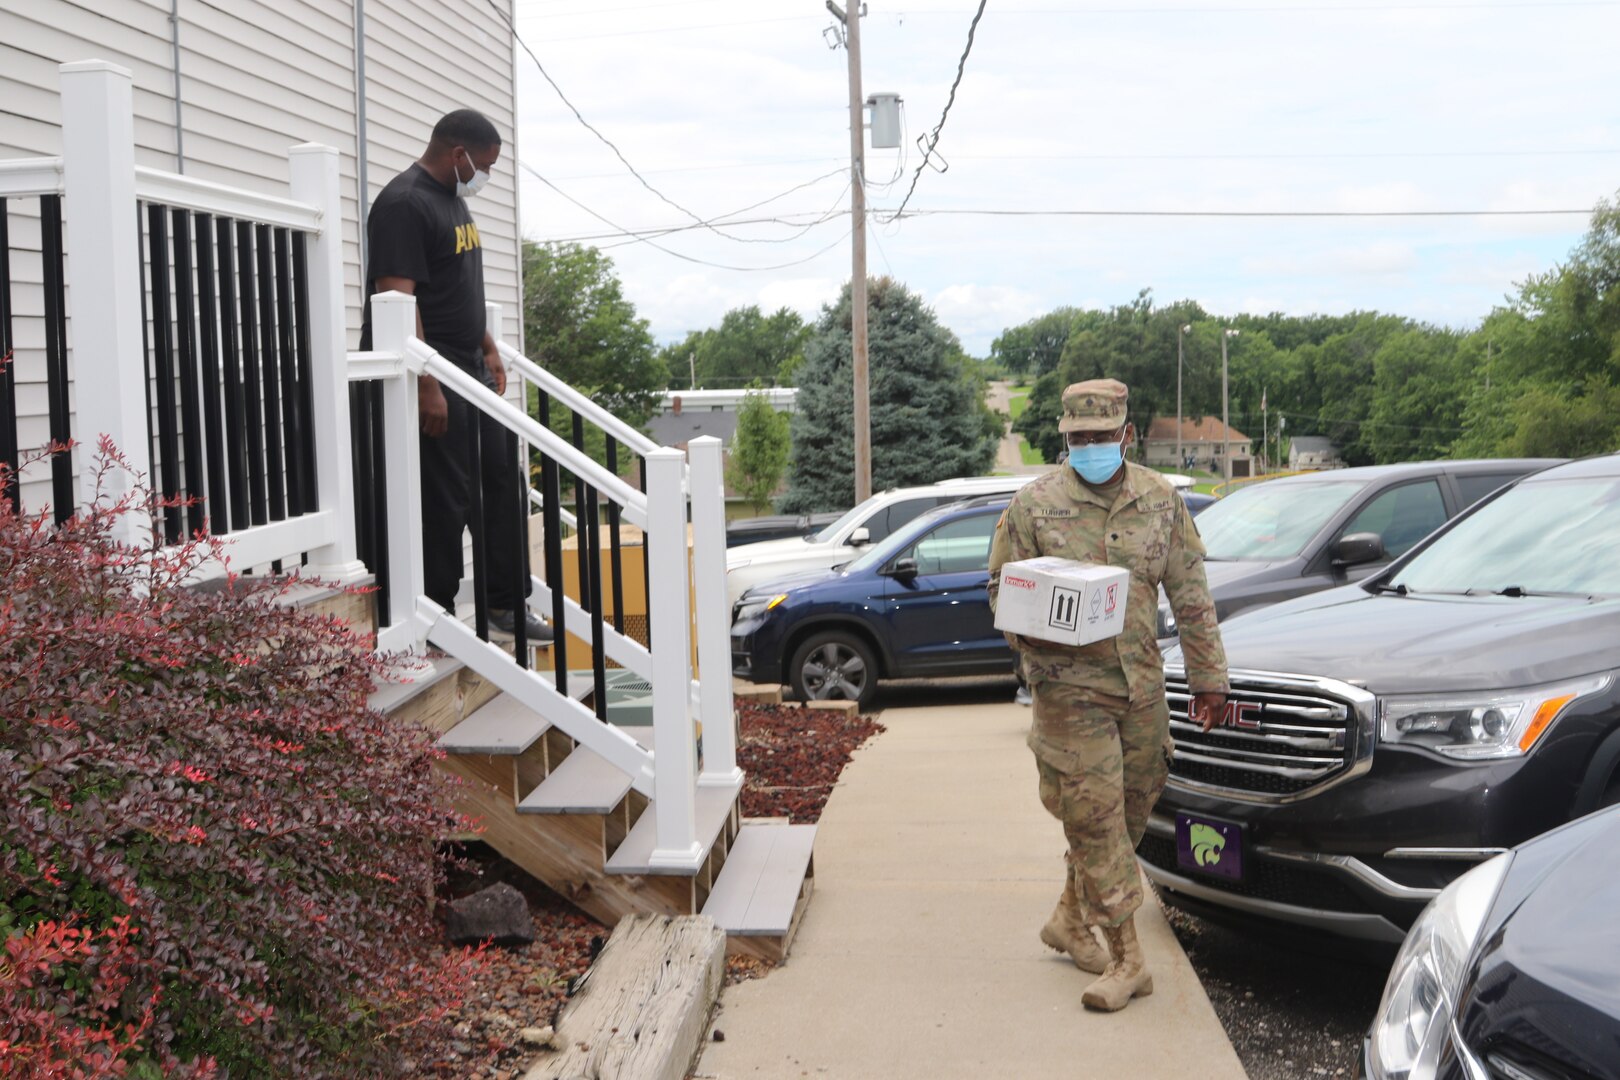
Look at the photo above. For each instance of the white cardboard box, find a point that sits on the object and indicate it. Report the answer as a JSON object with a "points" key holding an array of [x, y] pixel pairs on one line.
{"points": [[1056, 599]]}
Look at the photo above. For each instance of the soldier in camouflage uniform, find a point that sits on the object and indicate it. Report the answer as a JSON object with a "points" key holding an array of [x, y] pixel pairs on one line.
{"points": [[1101, 731]]}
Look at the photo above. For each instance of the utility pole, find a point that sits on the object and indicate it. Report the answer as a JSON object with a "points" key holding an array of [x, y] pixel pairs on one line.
{"points": [[1181, 460], [857, 281], [1226, 421]]}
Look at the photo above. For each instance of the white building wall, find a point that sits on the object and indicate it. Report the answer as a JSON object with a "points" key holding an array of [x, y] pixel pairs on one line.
{"points": [[256, 77]]}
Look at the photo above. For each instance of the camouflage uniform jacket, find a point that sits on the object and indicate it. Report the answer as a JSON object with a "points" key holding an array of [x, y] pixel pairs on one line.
{"points": [[1148, 530]]}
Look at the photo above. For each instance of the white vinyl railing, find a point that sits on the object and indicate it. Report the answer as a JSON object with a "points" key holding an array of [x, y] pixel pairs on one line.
{"points": [[101, 188]]}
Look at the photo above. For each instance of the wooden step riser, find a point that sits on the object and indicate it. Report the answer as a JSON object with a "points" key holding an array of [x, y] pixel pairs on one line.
{"points": [[770, 949], [557, 850]]}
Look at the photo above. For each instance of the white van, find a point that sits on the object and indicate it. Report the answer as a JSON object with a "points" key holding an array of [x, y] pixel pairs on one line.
{"points": [[868, 523]]}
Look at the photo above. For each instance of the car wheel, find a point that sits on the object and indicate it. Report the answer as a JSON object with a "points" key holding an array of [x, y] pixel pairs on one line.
{"points": [[834, 666], [1611, 794]]}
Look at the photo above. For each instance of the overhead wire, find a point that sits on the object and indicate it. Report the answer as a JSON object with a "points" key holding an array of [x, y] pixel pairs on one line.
{"points": [[1237, 213], [933, 139], [512, 28], [668, 251]]}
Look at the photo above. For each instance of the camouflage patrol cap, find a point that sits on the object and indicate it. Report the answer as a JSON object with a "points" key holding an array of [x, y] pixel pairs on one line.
{"points": [[1094, 405]]}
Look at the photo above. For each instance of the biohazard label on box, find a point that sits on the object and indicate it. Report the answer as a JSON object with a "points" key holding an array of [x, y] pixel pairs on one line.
{"points": [[1060, 600]]}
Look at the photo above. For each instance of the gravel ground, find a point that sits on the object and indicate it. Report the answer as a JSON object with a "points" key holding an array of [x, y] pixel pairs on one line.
{"points": [[1295, 1007]]}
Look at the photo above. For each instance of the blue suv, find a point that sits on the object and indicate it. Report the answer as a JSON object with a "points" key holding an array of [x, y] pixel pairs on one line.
{"points": [[915, 605]]}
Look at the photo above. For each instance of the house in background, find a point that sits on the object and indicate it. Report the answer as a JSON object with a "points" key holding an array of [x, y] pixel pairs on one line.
{"points": [[685, 415], [221, 91], [1308, 452], [1203, 440]]}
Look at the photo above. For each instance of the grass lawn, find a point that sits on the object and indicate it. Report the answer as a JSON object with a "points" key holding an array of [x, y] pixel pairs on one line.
{"points": [[1031, 455], [1017, 403]]}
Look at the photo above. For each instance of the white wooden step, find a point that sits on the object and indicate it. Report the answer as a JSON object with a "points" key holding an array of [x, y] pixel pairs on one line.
{"points": [[759, 887], [389, 696], [504, 726], [585, 783], [714, 805]]}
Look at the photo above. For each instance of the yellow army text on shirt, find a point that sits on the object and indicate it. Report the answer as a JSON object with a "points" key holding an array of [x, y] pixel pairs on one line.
{"points": [[1142, 526]]}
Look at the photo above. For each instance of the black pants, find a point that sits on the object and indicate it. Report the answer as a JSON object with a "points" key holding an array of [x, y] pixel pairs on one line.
{"points": [[448, 504]]}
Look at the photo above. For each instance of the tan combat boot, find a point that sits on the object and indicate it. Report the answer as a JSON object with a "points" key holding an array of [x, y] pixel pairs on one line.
{"points": [[1067, 932], [1127, 975]]}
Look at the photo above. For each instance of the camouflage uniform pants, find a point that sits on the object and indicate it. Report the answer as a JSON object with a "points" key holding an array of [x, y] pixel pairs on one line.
{"points": [[1102, 767]]}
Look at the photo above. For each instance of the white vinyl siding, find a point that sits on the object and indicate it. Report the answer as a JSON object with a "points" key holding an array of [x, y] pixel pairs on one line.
{"points": [[257, 77]]}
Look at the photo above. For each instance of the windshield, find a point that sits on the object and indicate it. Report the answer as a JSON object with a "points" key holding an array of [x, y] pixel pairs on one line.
{"points": [[1554, 536], [1272, 521], [826, 536], [880, 553]]}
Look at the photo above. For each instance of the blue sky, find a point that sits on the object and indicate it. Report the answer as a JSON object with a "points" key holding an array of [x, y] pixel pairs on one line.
{"points": [[1143, 105]]}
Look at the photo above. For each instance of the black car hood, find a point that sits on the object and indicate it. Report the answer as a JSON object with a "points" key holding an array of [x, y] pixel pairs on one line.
{"points": [[1405, 644], [789, 581], [1545, 985], [1221, 572]]}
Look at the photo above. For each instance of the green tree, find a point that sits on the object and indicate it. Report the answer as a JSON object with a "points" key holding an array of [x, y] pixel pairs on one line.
{"points": [[747, 347], [928, 415], [578, 325], [759, 451], [1035, 347]]}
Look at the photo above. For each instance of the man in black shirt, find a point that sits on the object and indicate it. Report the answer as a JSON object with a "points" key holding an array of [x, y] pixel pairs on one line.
{"points": [[421, 239]]}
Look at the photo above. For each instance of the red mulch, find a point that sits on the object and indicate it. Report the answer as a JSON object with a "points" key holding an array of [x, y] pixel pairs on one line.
{"points": [[792, 757]]}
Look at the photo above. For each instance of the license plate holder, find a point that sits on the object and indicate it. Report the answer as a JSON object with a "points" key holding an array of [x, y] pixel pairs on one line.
{"points": [[1209, 846]]}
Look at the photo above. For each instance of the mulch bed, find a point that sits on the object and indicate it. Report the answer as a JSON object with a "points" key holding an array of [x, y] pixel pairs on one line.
{"points": [[792, 757]]}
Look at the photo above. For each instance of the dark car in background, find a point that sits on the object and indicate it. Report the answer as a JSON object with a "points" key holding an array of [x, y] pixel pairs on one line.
{"points": [[1381, 738], [1510, 973], [917, 604], [1282, 538], [1197, 502], [777, 527]]}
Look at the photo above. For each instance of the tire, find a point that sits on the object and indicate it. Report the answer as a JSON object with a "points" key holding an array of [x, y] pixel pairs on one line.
{"points": [[1611, 794], [834, 665]]}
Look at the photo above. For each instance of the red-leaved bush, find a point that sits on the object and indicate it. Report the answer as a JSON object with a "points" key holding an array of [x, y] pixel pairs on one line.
{"points": [[213, 857]]}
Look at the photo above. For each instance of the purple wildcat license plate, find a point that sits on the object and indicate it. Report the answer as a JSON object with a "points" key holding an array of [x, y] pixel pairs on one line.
{"points": [[1207, 846]]}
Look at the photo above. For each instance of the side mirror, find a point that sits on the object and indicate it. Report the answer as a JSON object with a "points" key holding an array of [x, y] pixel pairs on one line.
{"points": [[904, 569], [860, 537], [1357, 549]]}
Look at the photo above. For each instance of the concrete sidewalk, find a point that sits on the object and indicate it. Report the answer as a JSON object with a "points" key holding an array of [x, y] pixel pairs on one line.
{"points": [[919, 958]]}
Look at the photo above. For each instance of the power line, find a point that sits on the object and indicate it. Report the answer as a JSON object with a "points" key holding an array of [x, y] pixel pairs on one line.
{"points": [[682, 29], [512, 28], [1291, 9], [684, 258], [1238, 213], [933, 138]]}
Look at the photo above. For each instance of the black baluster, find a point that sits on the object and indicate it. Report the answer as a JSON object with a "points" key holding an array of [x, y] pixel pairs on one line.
{"points": [[303, 359], [292, 424], [616, 553], [52, 254], [586, 537], [230, 354], [190, 390], [248, 288], [213, 415], [275, 467], [480, 553], [520, 545], [551, 521], [381, 568], [168, 420], [646, 561]]}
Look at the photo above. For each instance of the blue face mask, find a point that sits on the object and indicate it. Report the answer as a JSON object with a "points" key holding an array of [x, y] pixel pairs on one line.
{"points": [[1098, 462]]}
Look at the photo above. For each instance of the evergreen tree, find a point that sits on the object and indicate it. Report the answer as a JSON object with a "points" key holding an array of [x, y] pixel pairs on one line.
{"points": [[759, 451], [927, 408]]}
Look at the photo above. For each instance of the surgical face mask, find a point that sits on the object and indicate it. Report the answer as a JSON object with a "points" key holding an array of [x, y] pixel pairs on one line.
{"points": [[467, 188], [1098, 462]]}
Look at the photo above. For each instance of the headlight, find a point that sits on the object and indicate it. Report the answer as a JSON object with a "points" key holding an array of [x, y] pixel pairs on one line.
{"points": [[753, 607], [1480, 726], [1412, 1031]]}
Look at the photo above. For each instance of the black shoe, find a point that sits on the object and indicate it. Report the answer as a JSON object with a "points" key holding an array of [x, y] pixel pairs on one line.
{"points": [[502, 627]]}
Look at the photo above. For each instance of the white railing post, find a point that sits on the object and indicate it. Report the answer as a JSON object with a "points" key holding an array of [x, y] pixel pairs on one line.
{"points": [[315, 180], [675, 759], [713, 619], [104, 279], [393, 322]]}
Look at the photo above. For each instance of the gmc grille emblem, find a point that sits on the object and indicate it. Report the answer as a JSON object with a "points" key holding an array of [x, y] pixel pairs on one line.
{"points": [[1237, 714]]}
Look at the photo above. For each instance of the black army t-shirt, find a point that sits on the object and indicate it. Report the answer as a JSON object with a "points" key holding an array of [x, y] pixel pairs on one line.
{"points": [[421, 230]]}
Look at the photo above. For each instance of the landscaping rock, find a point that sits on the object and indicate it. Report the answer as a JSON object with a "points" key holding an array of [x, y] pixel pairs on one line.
{"points": [[498, 914]]}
